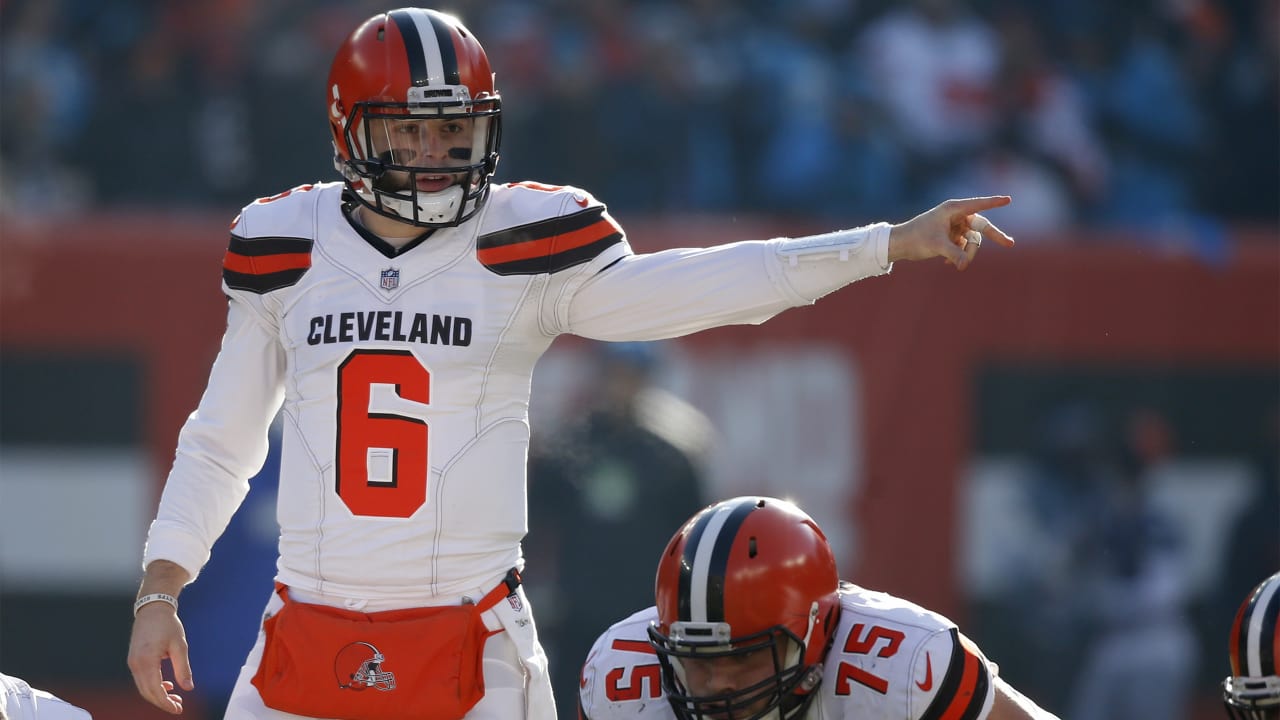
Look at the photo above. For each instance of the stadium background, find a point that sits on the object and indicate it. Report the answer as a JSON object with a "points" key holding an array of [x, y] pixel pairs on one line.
{"points": [[946, 427]]}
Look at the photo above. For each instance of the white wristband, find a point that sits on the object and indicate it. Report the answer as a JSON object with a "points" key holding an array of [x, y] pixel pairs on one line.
{"points": [[154, 597]]}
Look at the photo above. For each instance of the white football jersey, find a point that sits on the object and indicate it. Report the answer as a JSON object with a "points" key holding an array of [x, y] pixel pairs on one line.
{"points": [[403, 377], [890, 660], [20, 701]]}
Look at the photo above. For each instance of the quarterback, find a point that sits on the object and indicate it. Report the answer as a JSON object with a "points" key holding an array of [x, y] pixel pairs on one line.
{"points": [[752, 622], [392, 320]]}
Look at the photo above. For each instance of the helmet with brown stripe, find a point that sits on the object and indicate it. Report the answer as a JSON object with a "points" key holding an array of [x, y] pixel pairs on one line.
{"points": [[415, 117], [1252, 691], [748, 598]]}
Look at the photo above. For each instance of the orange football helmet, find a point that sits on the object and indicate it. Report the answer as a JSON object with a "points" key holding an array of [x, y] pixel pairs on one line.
{"points": [[1252, 691], [398, 69], [741, 576]]}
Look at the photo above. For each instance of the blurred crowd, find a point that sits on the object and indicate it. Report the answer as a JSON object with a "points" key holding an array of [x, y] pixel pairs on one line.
{"points": [[1141, 115]]}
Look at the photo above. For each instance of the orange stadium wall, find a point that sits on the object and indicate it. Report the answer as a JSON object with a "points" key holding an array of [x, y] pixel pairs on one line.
{"points": [[146, 286]]}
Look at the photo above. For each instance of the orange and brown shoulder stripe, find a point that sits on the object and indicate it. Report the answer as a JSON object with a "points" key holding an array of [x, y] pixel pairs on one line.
{"points": [[963, 690], [263, 264], [551, 245]]}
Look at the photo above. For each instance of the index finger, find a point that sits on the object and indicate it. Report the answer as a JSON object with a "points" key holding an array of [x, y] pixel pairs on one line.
{"points": [[968, 206]]}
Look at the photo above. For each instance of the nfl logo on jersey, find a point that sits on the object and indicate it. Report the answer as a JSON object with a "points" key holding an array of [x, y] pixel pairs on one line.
{"points": [[390, 279]]}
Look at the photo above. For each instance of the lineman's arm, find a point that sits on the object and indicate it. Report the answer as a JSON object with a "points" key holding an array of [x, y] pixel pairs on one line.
{"points": [[1013, 705]]}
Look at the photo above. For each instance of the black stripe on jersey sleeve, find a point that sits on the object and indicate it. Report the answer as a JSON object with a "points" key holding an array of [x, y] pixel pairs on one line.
{"points": [[557, 262], [261, 247], [262, 284], [979, 697], [257, 247], [950, 684], [541, 229]]}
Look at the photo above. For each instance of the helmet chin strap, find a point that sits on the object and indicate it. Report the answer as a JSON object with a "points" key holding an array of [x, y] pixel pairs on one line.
{"points": [[813, 675]]}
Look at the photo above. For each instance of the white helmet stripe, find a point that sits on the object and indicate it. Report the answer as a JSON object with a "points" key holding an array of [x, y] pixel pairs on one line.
{"points": [[702, 563], [430, 48], [1262, 611]]}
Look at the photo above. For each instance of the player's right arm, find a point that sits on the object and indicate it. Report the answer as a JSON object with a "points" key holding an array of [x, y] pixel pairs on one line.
{"points": [[221, 445], [158, 635]]}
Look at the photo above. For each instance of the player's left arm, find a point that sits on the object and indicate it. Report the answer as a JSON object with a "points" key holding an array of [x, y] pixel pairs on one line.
{"points": [[965, 683], [677, 292]]}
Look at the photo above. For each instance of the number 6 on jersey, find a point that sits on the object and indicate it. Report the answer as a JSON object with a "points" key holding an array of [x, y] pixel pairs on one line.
{"points": [[391, 483]]}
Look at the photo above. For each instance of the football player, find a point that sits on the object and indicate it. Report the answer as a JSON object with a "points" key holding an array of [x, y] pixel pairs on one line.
{"points": [[752, 621], [393, 320], [1252, 690]]}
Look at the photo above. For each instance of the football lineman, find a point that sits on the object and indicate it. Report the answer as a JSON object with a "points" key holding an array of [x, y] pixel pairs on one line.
{"points": [[393, 320], [752, 622], [1252, 690]]}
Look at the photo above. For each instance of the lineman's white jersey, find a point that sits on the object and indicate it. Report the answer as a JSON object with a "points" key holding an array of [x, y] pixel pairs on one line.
{"points": [[890, 660], [20, 701], [403, 377]]}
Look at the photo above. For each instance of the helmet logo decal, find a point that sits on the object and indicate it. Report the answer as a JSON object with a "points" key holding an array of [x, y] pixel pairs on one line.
{"points": [[335, 109], [358, 666]]}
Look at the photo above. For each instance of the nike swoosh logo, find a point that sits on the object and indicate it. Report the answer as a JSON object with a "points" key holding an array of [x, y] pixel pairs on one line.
{"points": [[928, 674], [582, 202]]}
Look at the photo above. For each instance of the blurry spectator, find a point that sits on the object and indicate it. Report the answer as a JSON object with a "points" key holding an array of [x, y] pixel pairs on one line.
{"points": [[1240, 173], [46, 90], [643, 97], [933, 65], [706, 105], [522, 44], [794, 119], [1050, 110], [141, 149], [290, 44], [1044, 201], [1069, 467], [1135, 591], [1147, 109], [717, 94], [606, 492], [1253, 548]]}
